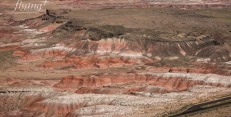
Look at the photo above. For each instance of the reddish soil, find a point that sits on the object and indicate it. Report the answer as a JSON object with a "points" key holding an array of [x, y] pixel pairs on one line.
{"points": [[117, 83], [152, 59]]}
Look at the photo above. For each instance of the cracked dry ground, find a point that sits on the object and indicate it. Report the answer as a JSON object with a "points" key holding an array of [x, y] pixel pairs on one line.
{"points": [[126, 62]]}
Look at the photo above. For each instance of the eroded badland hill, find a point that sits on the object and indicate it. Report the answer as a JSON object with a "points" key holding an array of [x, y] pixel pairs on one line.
{"points": [[135, 58]]}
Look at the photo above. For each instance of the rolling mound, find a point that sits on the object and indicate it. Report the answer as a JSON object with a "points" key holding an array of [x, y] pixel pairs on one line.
{"points": [[135, 58]]}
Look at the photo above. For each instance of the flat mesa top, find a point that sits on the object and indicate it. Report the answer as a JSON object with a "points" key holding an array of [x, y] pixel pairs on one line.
{"points": [[160, 24]]}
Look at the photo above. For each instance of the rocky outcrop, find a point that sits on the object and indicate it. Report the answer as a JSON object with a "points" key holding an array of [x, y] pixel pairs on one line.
{"points": [[76, 106], [14, 98], [91, 61], [114, 62], [82, 39], [103, 83], [215, 53], [45, 102]]}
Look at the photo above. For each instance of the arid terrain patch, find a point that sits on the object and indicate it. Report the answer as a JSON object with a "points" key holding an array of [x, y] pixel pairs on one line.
{"points": [[105, 58]]}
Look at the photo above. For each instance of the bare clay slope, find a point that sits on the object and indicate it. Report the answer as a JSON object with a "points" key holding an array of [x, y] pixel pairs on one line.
{"points": [[114, 62], [180, 39]]}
